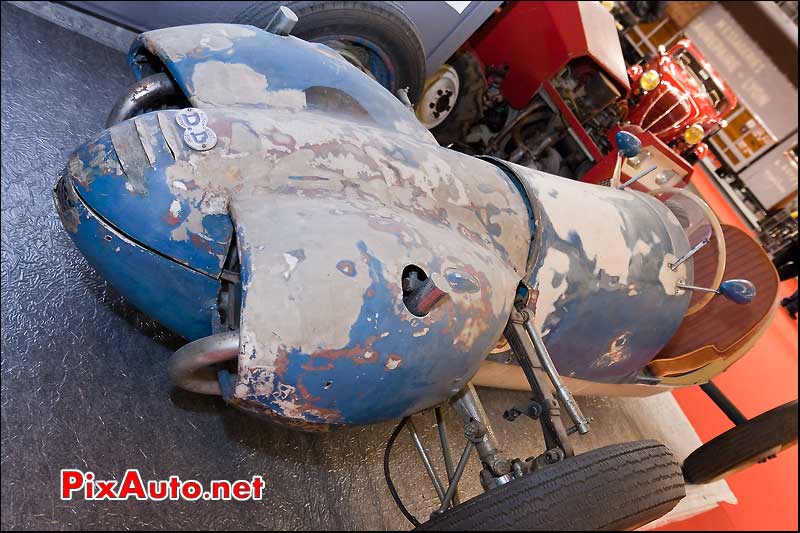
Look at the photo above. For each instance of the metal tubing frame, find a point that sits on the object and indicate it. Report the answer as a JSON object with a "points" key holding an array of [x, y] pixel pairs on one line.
{"points": [[697, 247], [638, 176], [453, 485], [468, 406], [425, 460], [555, 435], [448, 459], [724, 403], [190, 367], [141, 95]]}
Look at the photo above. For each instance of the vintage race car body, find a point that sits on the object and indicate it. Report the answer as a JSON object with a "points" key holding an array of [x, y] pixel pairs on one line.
{"points": [[293, 197]]}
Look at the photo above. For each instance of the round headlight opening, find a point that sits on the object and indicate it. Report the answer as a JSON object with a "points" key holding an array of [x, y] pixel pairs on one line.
{"points": [[649, 80], [693, 134]]}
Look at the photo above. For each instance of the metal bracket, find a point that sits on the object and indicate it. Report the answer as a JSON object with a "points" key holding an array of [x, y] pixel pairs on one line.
{"points": [[496, 470]]}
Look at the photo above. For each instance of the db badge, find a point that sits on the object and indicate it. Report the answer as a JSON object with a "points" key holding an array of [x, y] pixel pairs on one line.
{"points": [[196, 132]]}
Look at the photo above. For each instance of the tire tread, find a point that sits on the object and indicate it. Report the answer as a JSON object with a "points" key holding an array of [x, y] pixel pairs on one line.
{"points": [[618, 486], [390, 13], [721, 454]]}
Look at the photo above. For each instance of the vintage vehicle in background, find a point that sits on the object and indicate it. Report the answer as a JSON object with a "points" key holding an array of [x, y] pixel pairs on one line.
{"points": [[542, 84], [333, 265], [545, 85], [680, 98]]}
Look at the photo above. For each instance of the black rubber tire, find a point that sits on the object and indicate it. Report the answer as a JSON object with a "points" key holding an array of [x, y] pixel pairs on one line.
{"points": [[690, 157], [647, 12], [743, 445], [468, 108], [383, 23], [622, 486]]}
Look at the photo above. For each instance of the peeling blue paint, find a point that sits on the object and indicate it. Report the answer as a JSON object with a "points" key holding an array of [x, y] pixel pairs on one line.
{"points": [[149, 219], [182, 299], [367, 390], [285, 62]]}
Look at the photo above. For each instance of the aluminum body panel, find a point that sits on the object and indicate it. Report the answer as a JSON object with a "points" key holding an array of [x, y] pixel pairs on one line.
{"points": [[124, 183], [183, 300], [328, 213], [604, 298], [228, 65]]}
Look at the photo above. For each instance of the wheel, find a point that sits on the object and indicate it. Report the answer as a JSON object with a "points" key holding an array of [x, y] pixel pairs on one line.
{"points": [[647, 12], [690, 157], [752, 442], [452, 100], [377, 37], [621, 486]]}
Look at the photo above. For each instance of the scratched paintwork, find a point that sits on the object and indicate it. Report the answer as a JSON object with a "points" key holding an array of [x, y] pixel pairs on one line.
{"points": [[188, 296], [332, 191], [228, 65], [328, 213], [605, 299], [175, 218]]}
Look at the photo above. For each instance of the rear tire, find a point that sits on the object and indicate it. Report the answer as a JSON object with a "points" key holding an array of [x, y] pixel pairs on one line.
{"points": [[754, 441], [622, 486], [383, 24]]}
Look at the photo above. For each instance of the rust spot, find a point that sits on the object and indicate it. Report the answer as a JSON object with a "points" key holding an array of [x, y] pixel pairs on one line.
{"points": [[310, 366], [618, 351], [281, 139], [272, 417], [348, 268], [233, 173], [307, 397], [308, 178], [171, 219], [470, 235], [324, 360], [282, 362], [200, 243]]}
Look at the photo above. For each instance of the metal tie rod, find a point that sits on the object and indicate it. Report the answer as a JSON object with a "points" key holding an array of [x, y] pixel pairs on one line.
{"points": [[638, 176], [570, 405], [451, 489]]}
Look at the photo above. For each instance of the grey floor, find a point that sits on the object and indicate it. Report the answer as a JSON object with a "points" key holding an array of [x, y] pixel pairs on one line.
{"points": [[84, 381]]}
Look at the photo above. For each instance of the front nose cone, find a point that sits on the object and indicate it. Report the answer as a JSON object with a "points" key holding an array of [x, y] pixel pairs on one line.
{"points": [[127, 176], [180, 298]]}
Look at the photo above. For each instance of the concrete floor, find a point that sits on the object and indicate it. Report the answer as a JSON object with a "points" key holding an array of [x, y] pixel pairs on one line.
{"points": [[84, 381]]}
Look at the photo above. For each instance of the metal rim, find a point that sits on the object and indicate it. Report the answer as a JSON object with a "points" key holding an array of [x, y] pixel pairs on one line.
{"points": [[190, 367], [365, 56], [438, 97]]}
